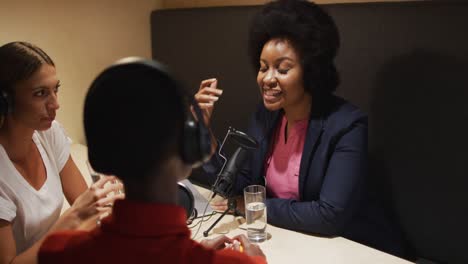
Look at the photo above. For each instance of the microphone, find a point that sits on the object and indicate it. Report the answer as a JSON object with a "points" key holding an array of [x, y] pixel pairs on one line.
{"points": [[227, 178], [241, 138]]}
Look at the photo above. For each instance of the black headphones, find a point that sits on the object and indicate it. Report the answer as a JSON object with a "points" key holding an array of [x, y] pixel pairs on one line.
{"points": [[187, 201], [196, 145], [196, 140]]}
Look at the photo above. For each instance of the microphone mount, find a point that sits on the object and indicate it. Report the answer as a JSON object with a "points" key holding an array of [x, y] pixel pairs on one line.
{"points": [[245, 143], [226, 179]]}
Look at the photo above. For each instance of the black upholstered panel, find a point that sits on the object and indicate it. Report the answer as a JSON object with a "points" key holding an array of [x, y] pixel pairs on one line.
{"points": [[210, 42], [406, 64]]}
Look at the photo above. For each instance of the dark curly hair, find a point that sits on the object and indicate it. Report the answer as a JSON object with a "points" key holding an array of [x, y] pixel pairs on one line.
{"points": [[311, 31]]}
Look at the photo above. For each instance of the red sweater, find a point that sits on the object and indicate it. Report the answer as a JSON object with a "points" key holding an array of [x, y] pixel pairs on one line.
{"points": [[137, 233]]}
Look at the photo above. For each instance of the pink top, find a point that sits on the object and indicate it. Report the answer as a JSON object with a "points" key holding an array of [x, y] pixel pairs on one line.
{"points": [[282, 167]]}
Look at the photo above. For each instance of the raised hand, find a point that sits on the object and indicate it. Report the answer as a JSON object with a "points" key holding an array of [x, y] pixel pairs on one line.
{"points": [[207, 95]]}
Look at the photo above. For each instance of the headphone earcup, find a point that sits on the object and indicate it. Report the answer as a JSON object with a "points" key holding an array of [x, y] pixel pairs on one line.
{"points": [[187, 201], [196, 142], [190, 142], [205, 142]]}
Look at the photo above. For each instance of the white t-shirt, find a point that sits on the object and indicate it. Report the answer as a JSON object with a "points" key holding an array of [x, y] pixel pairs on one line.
{"points": [[32, 212]]}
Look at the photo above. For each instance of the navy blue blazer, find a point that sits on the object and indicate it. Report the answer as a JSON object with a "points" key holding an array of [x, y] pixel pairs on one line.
{"points": [[332, 178]]}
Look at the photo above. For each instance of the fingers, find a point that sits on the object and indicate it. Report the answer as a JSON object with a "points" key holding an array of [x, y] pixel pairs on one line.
{"points": [[103, 193], [211, 91], [243, 239], [112, 187], [214, 84], [206, 106], [102, 181], [219, 208], [249, 248], [103, 210], [222, 202], [216, 243], [220, 241], [208, 83], [96, 200], [207, 95], [208, 88], [237, 246], [206, 98], [109, 194], [109, 200], [219, 205]]}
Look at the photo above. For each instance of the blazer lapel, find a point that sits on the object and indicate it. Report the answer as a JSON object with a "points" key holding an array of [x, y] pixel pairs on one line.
{"points": [[265, 140], [314, 132]]}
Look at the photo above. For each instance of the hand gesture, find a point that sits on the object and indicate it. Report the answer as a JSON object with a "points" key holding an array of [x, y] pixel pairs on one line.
{"points": [[95, 202], [216, 243], [248, 248], [207, 95]]}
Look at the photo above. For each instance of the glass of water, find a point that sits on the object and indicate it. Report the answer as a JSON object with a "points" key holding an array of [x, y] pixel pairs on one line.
{"points": [[255, 212]]}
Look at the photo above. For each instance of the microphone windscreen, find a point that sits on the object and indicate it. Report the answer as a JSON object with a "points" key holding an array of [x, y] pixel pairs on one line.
{"points": [[243, 139]]}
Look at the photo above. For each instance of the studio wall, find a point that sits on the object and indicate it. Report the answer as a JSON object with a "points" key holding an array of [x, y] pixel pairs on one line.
{"points": [[82, 37]]}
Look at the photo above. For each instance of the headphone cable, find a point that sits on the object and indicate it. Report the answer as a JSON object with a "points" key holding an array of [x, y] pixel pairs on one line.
{"points": [[203, 215]]}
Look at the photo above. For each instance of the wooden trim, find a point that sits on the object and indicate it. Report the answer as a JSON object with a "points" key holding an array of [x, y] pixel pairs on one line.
{"points": [[169, 4]]}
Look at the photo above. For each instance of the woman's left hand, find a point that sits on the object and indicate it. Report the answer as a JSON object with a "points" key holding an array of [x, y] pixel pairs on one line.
{"points": [[93, 204]]}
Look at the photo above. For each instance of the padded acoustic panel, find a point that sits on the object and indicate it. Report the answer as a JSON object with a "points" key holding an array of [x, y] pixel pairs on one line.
{"points": [[204, 43], [406, 64]]}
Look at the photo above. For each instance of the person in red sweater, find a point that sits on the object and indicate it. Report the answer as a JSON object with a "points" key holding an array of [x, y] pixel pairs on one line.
{"points": [[140, 127]]}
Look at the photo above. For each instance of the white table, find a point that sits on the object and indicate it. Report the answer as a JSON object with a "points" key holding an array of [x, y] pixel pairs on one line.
{"points": [[286, 246]]}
